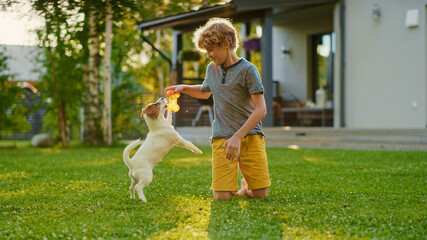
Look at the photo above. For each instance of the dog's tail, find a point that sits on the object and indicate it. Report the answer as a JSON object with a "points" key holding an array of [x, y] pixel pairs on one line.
{"points": [[127, 151]]}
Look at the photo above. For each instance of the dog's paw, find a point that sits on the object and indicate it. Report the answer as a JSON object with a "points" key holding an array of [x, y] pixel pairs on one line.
{"points": [[198, 151], [143, 200]]}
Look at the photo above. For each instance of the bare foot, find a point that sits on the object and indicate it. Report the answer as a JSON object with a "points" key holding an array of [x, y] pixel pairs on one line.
{"points": [[243, 188]]}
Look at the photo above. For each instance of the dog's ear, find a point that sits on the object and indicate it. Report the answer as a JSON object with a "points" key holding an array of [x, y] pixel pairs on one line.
{"points": [[152, 112], [142, 113]]}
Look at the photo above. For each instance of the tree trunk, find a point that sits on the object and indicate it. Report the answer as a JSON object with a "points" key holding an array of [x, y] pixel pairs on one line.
{"points": [[63, 124], [92, 133], [60, 106], [108, 135]]}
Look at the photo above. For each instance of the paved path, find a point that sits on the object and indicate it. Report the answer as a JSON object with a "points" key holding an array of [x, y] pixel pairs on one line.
{"points": [[387, 139]]}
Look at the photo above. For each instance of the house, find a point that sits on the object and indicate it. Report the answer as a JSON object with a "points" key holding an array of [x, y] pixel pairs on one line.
{"points": [[22, 63], [369, 57]]}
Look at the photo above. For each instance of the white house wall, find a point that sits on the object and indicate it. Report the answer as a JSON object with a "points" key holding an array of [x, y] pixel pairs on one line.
{"points": [[385, 73], [22, 62]]}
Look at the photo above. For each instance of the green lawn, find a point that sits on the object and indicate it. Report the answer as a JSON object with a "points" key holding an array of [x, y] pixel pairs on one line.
{"points": [[340, 194]]}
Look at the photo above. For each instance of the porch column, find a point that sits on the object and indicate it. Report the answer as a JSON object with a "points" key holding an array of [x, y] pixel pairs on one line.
{"points": [[176, 74], [245, 32], [339, 65], [267, 65]]}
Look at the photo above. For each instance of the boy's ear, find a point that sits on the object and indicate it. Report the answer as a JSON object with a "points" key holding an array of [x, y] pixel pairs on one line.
{"points": [[226, 44]]}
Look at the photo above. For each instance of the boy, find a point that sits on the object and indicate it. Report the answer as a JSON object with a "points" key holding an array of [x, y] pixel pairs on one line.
{"points": [[237, 138]]}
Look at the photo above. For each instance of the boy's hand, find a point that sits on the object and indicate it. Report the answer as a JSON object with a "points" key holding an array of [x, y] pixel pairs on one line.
{"points": [[175, 89], [232, 148]]}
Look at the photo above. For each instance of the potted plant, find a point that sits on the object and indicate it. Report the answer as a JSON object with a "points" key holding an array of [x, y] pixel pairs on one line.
{"points": [[189, 56], [252, 43], [193, 56]]}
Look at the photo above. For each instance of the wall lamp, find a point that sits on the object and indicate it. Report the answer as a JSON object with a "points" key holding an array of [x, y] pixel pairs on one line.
{"points": [[286, 51], [376, 13]]}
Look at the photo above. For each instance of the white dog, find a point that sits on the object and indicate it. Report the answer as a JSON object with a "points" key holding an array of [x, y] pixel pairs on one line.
{"points": [[161, 138]]}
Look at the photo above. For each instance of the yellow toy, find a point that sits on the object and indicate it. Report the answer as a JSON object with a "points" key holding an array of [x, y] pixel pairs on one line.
{"points": [[173, 101]]}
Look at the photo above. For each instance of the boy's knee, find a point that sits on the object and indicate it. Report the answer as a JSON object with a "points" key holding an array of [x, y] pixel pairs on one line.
{"points": [[220, 196], [260, 193]]}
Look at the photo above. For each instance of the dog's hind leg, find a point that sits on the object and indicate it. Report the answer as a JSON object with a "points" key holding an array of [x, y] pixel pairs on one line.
{"points": [[139, 187], [132, 188], [144, 179]]}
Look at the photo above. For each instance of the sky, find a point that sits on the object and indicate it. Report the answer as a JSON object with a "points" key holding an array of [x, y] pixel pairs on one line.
{"points": [[16, 25]]}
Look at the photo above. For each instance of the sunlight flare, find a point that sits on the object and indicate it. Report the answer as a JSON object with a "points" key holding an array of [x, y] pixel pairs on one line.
{"points": [[194, 215], [294, 147]]}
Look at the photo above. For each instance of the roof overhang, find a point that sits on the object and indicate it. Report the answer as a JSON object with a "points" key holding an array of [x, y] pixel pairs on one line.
{"points": [[287, 5], [237, 10], [189, 21]]}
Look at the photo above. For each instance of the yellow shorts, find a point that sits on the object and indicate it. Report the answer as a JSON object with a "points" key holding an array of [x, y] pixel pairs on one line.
{"points": [[253, 165]]}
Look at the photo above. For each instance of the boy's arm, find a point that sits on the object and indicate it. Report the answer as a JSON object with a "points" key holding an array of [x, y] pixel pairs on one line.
{"points": [[256, 116], [232, 145], [191, 90]]}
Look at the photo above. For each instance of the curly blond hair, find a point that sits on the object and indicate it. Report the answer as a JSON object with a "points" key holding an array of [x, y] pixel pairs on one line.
{"points": [[214, 33]]}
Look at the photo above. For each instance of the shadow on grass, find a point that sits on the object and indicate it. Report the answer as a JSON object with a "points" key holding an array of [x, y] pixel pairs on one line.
{"points": [[244, 218]]}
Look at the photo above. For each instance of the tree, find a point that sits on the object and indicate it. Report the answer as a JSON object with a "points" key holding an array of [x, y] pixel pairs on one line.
{"points": [[5, 4], [74, 38], [61, 57], [92, 133], [81, 39], [108, 135]]}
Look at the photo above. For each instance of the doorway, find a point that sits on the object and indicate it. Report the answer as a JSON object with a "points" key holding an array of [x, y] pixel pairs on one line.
{"points": [[321, 49], [322, 65]]}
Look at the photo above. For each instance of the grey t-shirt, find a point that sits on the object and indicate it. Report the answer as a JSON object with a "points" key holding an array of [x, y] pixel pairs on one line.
{"points": [[231, 88]]}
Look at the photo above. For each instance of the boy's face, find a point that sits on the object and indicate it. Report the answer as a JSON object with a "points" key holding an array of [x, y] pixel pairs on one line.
{"points": [[218, 54]]}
